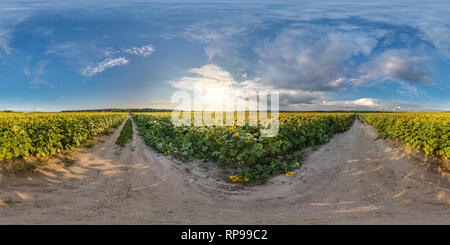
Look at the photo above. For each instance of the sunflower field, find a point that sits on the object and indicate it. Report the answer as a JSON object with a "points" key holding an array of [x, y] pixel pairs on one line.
{"points": [[255, 157], [41, 134], [426, 131]]}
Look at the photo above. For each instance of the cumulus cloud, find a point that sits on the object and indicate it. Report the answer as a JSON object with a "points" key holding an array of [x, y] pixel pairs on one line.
{"points": [[105, 64], [310, 60], [407, 70], [365, 102], [213, 78], [143, 51], [397, 65], [352, 104], [212, 84], [318, 50], [210, 76], [291, 98]]}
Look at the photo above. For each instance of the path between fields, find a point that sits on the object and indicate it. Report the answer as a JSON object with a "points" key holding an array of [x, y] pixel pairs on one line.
{"points": [[355, 178]]}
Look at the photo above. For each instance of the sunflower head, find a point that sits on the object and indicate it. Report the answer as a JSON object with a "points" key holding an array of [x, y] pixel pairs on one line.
{"points": [[289, 174]]}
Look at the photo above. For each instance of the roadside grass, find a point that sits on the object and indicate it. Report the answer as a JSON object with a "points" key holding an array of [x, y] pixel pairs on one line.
{"points": [[126, 134], [89, 144], [25, 167], [31, 166], [69, 161]]}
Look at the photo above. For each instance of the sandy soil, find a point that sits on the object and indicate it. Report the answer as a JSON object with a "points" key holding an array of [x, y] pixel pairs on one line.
{"points": [[354, 179]]}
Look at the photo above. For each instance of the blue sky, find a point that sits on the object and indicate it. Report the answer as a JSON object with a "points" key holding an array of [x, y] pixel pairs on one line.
{"points": [[343, 55]]}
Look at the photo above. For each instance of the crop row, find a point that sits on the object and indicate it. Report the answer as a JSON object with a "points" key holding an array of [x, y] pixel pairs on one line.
{"points": [[429, 132], [255, 157], [41, 134]]}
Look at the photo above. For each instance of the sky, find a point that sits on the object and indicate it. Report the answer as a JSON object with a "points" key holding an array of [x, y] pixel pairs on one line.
{"points": [[336, 55]]}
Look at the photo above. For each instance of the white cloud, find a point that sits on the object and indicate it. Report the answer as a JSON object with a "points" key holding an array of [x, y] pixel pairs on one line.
{"points": [[143, 51], [353, 104], [105, 64], [311, 59], [366, 102], [216, 87], [76, 53], [208, 76], [213, 80], [325, 49], [397, 65]]}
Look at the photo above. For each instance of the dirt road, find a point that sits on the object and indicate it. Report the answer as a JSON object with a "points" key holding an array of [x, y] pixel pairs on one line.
{"points": [[354, 179]]}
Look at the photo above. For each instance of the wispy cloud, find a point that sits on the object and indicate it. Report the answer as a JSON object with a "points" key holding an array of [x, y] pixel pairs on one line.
{"points": [[108, 63], [102, 66], [77, 53], [143, 51], [35, 74], [4, 42]]}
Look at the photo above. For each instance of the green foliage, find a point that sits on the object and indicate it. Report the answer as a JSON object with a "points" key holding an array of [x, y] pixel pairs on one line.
{"points": [[24, 167], [429, 132], [42, 134], [254, 157], [126, 134], [89, 144]]}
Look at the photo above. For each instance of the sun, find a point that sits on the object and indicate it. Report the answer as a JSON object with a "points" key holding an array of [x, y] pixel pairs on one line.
{"points": [[213, 99]]}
